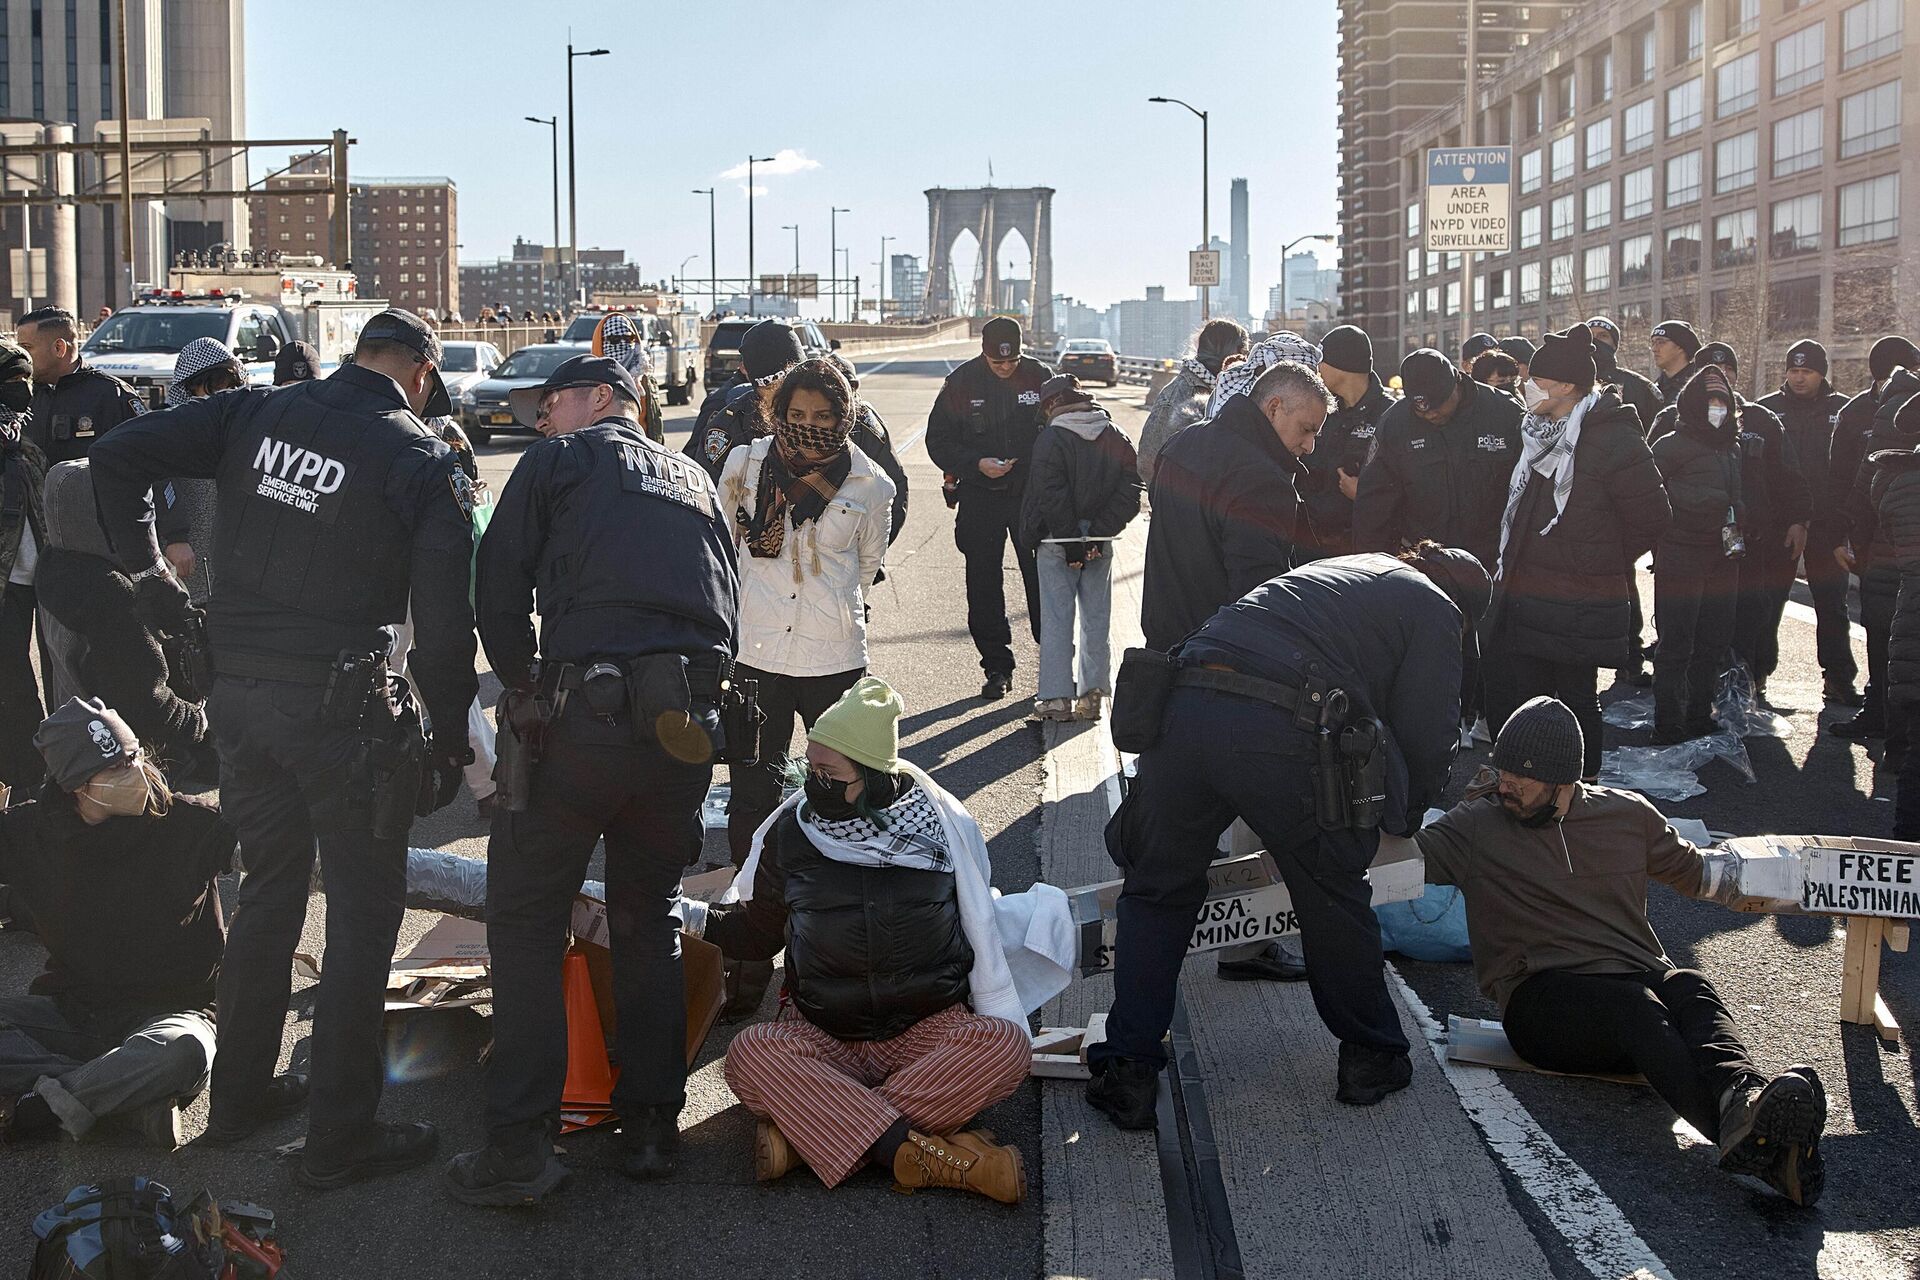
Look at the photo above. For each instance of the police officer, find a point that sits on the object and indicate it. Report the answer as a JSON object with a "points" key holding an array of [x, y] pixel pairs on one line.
{"points": [[336, 505], [1809, 408], [767, 351], [74, 404], [1364, 648], [981, 432], [1638, 394], [624, 548], [1673, 346], [1333, 468]]}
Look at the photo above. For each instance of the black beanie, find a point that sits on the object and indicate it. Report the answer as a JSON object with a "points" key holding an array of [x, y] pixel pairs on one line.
{"points": [[1807, 354], [1680, 334], [1542, 741], [1608, 327], [1890, 353], [1721, 354], [1906, 420], [1566, 357], [14, 361], [1000, 337], [1520, 349], [768, 350], [296, 362], [1348, 349], [82, 738], [1427, 376], [1475, 345]]}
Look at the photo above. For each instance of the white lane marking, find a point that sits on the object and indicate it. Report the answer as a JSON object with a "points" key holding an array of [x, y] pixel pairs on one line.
{"points": [[1804, 613], [1592, 1224]]}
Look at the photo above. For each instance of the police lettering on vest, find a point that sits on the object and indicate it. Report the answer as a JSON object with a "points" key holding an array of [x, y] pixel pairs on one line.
{"points": [[302, 479]]}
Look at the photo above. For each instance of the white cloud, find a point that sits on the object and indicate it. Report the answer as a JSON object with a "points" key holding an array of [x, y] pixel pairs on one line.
{"points": [[758, 190], [784, 161]]}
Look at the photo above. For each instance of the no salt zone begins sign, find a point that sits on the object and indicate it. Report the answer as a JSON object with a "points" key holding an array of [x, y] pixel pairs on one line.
{"points": [[1469, 195]]}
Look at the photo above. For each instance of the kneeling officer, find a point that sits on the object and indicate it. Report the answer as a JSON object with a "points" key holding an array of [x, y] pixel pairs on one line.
{"points": [[1337, 685], [612, 731]]}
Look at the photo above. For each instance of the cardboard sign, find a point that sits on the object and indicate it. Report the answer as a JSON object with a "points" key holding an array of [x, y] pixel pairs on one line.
{"points": [[1827, 875], [1469, 196]]}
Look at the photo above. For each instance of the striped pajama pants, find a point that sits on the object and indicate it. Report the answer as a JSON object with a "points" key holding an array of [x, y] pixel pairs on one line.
{"points": [[832, 1099]]}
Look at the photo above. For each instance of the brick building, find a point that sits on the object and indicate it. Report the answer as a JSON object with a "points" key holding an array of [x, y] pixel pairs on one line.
{"points": [[298, 223], [405, 241]]}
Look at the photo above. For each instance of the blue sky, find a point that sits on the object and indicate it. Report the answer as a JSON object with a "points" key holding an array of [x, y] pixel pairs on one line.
{"points": [[877, 101]]}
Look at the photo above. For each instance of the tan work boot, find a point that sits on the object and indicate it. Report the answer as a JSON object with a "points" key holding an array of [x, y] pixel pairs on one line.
{"points": [[967, 1160], [773, 1156]]}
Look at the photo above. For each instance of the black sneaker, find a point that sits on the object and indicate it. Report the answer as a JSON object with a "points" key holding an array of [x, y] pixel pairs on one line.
{"points": [[1798, 1171], [1865, 725], [1125, 1088], [999, 684], [390, 1149], [1841, 693], [650, 1143], [1756, 1122], [1271, 965], [1367, 1075], [496, 1175], [285, 1095]]}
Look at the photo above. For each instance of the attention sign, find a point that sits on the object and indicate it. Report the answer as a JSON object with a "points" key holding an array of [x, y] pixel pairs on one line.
{"points": [[1468, 199]]}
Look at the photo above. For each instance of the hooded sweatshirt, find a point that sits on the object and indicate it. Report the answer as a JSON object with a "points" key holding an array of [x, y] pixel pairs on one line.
{"points": [[1085, 480], [1698, 462]]}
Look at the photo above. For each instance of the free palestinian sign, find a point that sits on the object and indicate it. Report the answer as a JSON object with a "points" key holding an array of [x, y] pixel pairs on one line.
{"points": [[1468, 199]]}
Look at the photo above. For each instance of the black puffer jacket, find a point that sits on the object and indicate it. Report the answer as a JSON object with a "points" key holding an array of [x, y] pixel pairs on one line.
{"points": [[1810, 422], [1698, 465], [1772, 485], [1446, 483], [1080, 487], [1635, 391], [1887, 432], [870, 950], [1344, 443], [1895, 490], [1564, 595], [871, 434]]}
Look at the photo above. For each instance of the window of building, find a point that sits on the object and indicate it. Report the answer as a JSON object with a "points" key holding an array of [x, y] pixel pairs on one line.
{"points": [[1413, 265], [1560, 218], [1870, 210], [1560, 276], [1598, 202], [1600, 77], [1735, 160], [1433, 299], [1636, 193], [1736, 85], [1450, 305], [1530, 171], [1689, 31], [1870, 120], [1636, 128], [1529, 282], [1869, 31], [1793, 307], [406, 277], [1743, 17], [1795, 226], [1798, 142], [1562, 158], [1683, 249], [1561, 88], [1733, 238], [1683, 107], [1800, 59], [1413, 220], [1496, 287], [1600, 142], [1532, 114], [1683, 178], [1636, 260], [310, 218], [1597, 269], [1530, 227], [1642, 54], [1413, 304]]}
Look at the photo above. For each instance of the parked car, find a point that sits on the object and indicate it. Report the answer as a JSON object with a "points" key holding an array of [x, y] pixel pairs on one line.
{"points": [[723, 348], [1090, 358], [466, 364], [484, 410]]}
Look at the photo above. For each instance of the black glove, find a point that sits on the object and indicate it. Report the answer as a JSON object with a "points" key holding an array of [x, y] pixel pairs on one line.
{"points": [[163, 604], [440, 775]]}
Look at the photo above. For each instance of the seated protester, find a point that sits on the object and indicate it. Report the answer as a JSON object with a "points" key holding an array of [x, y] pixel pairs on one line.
{"points": [[184, 510], [1498, 370], [1555, 875], [119, 1032], [906, 1018], [106, 650], [1083, 483], [871, 434]]}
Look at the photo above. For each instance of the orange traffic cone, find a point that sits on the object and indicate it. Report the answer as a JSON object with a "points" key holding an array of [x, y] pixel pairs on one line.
{"points": [[590, 1077]]}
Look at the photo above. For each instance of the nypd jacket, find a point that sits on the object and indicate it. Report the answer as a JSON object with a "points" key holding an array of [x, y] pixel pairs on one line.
{"points": [[79, 407], [1226, 517], [1344, 443], [1860, 524], [1810, 422], [620, 542], [1370, 625], [980, 415], [1445, 483], [1635, 391], [337, 508], [739, 421]]}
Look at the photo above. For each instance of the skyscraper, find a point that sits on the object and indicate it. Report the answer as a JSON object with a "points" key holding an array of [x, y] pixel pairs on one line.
{"points": [[1241, 275]]}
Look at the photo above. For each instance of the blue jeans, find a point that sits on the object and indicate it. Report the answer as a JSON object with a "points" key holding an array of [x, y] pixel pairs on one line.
{"points": [[84, 1078], [1065, 591]]}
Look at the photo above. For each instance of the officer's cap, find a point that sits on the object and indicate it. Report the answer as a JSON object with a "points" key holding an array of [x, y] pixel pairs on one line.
{"points": [[410, 331], [580, 371], [1000, 338]]}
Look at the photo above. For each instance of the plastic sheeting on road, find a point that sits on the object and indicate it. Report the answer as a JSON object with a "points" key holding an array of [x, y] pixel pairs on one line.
{"points": [[1673, 772]]}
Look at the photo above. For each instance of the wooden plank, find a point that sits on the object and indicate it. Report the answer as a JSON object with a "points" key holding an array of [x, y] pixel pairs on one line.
{"points": [[1897, 936], [1851, 1008], [1883, 1022]]}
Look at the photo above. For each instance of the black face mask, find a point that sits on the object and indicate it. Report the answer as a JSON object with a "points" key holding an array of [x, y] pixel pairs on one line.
{"points": [[828, 797], [16, 396], [1545, 817]]}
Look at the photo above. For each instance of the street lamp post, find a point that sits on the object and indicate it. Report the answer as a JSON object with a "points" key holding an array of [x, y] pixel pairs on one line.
{"points": [[713, 246], [1286, 249], [751, 161], [553, 123], [833, 258], [883, 276], [795, 228], [1206, 232], [573, 183], [681, 275]]}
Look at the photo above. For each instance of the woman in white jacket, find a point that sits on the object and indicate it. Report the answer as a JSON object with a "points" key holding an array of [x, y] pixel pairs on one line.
{"points": [[810, 514]]}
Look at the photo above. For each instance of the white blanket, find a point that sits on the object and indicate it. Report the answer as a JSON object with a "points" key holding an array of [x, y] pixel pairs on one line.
{"points": [[1023, 943]]}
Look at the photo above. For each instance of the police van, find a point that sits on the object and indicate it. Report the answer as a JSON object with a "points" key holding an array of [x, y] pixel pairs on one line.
{"points": [[254, 306]]}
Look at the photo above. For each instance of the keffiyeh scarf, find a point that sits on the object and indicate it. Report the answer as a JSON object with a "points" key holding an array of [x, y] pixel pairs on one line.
{"points": [[1546, 448], [912, 837], [1198, 373], [1239, 380], [799, 490], [195, 359]]}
